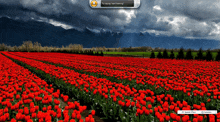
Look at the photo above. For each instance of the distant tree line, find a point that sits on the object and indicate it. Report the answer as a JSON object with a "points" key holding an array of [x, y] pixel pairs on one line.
{"points": [[86, 52], [188, 56], [136, 49], [148, 49], [28, 46]]}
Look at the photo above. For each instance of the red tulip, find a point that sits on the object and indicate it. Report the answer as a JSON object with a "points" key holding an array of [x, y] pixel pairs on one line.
{"points": [[44, 108], [33, 115], [13, 120], [72, 120], [73, 115], [78, 116], [26, 111], [57, 102], [93, 112], [208, 100], [167, 118], [149, 106], [200, 118]]}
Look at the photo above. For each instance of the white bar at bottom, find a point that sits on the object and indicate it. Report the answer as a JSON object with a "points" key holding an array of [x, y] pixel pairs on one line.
{"points": [[197, 112]]}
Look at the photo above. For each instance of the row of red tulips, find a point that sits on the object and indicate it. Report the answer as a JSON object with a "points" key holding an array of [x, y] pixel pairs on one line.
{"points": [[194, 67], [106, 89], [202, 86], [70, 59], [24, 96]]}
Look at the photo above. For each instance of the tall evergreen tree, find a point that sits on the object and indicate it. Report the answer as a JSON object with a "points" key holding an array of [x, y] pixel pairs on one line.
{"points": [[101, 54], [200, 55], [152, 55], [217, 58], [159, 55], [180, 54], [172, 54], [91, 52], [165, 54], [189, 54], [208, 56]]}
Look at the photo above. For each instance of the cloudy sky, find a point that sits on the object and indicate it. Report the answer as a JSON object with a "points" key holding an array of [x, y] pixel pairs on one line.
{"points": [[182, 18]]}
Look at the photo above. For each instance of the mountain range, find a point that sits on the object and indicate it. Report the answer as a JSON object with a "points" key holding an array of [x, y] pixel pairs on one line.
{"points": [[14, 32]]}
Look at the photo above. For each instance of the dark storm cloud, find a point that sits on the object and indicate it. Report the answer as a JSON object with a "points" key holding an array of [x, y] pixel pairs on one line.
{"points": [[188, 18], [201, 10]]}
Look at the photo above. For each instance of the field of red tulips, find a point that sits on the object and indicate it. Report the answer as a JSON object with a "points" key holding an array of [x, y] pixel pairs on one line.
{"points": [[26, 97], [122, 89]]}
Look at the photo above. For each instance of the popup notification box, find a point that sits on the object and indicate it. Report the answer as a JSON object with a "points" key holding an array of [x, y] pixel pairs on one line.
{"points": [[197, 112], [114, 3]]}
